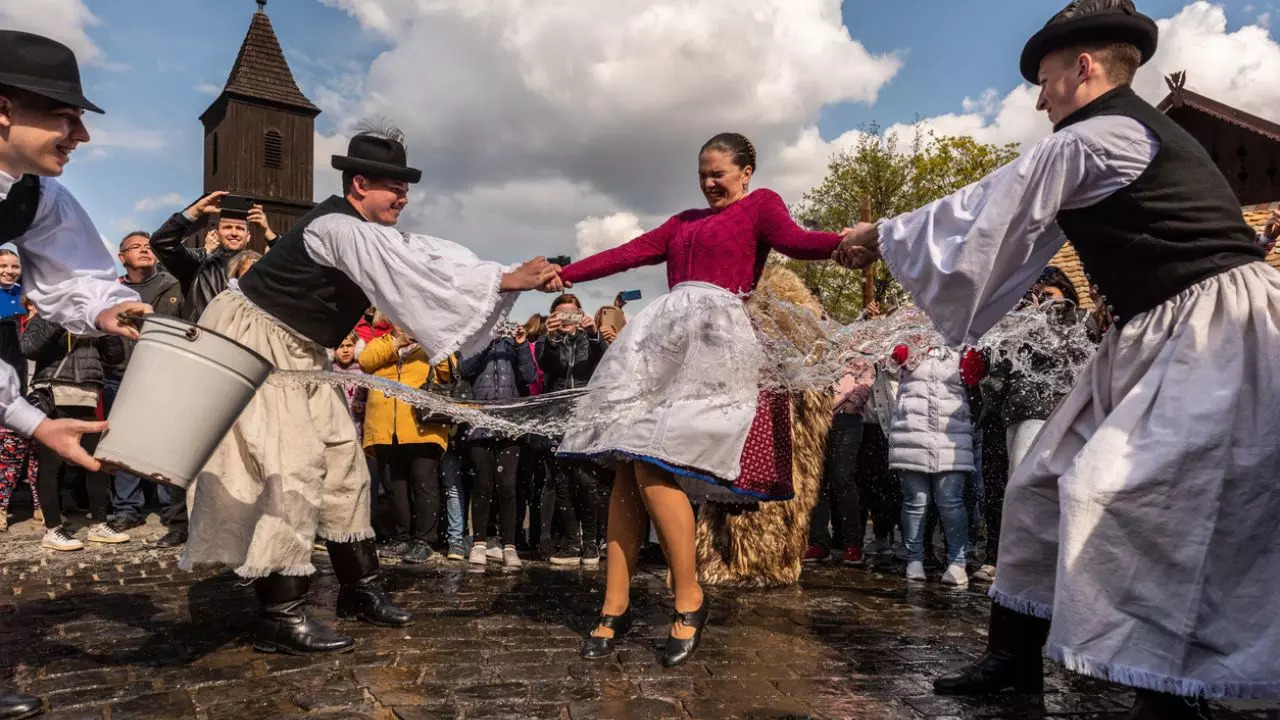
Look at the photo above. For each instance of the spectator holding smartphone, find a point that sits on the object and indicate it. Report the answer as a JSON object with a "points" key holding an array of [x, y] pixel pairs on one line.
{"points": [[568, 355]]}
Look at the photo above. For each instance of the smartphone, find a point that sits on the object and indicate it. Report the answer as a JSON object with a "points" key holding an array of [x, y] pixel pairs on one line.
{"points": [[629, 295], [560, 260], [235, 206]]}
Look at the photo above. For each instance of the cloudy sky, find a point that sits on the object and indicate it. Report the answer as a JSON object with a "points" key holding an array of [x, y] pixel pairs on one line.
{"points": [[566, 126]]}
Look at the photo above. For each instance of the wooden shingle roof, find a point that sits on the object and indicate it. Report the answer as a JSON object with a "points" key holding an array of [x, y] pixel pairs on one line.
{"points": [[261, 72], [1257, 217], [1069, 262]]}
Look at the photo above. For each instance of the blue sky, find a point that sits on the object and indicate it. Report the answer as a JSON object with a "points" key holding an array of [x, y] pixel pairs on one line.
{"points": [[163, 62]]}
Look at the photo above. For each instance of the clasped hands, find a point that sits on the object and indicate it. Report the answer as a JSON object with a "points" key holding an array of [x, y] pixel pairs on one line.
{"points": [[859, 247], [536, 274]]}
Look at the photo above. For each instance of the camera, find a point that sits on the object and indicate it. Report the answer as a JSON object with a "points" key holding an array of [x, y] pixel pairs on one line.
{"points": [[235, 206], [571, 318], [507, 329]]}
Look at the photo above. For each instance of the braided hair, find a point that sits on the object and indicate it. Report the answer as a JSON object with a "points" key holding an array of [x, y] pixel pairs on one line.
{"points": [[737, 146]]}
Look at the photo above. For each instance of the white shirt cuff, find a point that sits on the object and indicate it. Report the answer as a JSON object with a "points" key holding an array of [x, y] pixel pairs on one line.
{"points": [[22, 417]]}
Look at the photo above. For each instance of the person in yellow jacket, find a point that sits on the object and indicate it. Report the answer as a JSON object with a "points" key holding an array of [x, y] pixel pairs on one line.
{"points": [[407, 453]]}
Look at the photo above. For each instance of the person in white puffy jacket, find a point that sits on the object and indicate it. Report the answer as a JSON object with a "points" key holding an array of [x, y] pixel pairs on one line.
{"points": [[931, 447]]}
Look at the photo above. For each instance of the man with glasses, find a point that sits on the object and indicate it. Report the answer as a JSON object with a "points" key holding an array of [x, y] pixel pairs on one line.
{"points": [[162, 291]]}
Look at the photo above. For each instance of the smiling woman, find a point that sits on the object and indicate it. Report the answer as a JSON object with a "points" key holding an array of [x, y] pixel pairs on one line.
{"points": [[692, 431]]}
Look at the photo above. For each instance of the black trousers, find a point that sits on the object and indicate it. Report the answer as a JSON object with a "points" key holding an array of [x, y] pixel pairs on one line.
{"points": [[496, 463], [531, 480], [576, 503], [837, 519], [995, 478], [53, 469], [878, 487], [414, 474]]}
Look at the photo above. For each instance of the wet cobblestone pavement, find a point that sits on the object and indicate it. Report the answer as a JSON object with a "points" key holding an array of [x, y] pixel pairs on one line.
{"points": [[119, 632]]}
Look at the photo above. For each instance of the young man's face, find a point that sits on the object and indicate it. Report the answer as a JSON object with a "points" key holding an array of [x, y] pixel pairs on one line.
{"points": [[233, 235], [1061, 75], [382, 200], [38, 136]]}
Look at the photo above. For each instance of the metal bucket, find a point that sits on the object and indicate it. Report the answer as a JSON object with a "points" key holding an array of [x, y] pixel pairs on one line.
{"points": [[183, 390]]}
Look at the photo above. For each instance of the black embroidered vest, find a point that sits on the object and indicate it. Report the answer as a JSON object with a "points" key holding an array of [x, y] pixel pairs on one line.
{"points": [[319, 302], [1177, 224], [18, 209]]}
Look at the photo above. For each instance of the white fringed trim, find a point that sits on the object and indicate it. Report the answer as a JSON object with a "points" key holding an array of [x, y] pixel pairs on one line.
{"points": [[349, 537], [1147, 680], [246, 571], [1019, 605]]}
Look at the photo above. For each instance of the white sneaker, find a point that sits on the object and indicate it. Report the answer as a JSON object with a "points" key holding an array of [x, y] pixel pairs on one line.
{"points": [[494, 552], [104, 533], [478, 555], [915, 570], [60, 538], [510, 558], [986, 573], [955, 575]]}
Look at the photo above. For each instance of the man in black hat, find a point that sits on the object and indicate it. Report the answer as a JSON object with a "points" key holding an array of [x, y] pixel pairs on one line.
{"points": [[1138, 535], [67, 271], [291, 469]]}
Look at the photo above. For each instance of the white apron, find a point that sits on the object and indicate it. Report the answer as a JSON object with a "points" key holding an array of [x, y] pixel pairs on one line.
{"points": [[1145, 519], [678, 388]]}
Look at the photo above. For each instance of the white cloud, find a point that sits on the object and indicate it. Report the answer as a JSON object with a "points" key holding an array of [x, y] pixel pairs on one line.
{"points": [[170, 201], [66, 21], [205, 88], [1264, 20], [597, 234], [528, 118], [1238, 68]]}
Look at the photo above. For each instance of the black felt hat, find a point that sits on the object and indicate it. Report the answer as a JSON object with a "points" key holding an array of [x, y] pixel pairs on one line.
{"points": [[377, 157], [43, 67], [1089, 21]]}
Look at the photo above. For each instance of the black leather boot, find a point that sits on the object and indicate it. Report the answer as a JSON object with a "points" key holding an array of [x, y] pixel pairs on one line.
{"points": [[1150, 705], [16, 706], [1013, 660], [283, 625], [360, 593]]}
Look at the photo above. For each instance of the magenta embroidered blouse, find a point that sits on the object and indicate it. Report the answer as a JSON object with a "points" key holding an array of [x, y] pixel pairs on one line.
{"points": [[726, 247]]}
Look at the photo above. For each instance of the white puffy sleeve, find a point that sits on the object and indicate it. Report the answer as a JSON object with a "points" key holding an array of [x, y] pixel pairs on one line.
{"points": [[16, 413], [968, 258], [447, 298], [66, 270]]}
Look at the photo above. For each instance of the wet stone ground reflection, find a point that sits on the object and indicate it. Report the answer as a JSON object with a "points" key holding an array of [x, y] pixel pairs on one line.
{"points": [[120, 632]]}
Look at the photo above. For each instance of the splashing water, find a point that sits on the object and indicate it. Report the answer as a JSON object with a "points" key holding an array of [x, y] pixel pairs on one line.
{"points": [[790, 350]]}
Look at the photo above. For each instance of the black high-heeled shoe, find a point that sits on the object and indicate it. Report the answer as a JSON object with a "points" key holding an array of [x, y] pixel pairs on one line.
{"points": [[679, 651], [596, 648]]}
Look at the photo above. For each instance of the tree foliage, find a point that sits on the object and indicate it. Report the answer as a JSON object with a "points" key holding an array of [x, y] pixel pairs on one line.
{"points": [[897, 178]]}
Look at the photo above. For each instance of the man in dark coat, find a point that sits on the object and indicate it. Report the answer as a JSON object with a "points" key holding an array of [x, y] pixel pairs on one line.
{"points": [[203, 273]]}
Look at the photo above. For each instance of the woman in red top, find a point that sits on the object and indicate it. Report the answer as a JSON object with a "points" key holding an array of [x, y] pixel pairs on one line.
{"points": [[677, 401]]}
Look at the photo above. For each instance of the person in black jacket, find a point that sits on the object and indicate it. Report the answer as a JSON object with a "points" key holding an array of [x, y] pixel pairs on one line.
{"points": [[203, 274], [502, 371], [568, 355], [68, 383]]}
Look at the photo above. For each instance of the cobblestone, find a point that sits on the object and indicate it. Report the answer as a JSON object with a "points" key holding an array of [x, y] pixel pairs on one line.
{"points": [[119, 632]]}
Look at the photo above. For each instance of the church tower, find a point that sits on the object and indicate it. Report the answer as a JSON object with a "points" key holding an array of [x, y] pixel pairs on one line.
{"points": [[259, 133]]}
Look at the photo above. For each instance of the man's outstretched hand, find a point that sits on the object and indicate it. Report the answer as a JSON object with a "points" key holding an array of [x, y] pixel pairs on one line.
{"points": [[860, 247], [63, 437], [123, 319], [536, 274]]}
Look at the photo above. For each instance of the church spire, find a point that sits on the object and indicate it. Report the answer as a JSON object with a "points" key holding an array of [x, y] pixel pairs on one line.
{"points": [[261, 72]]}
